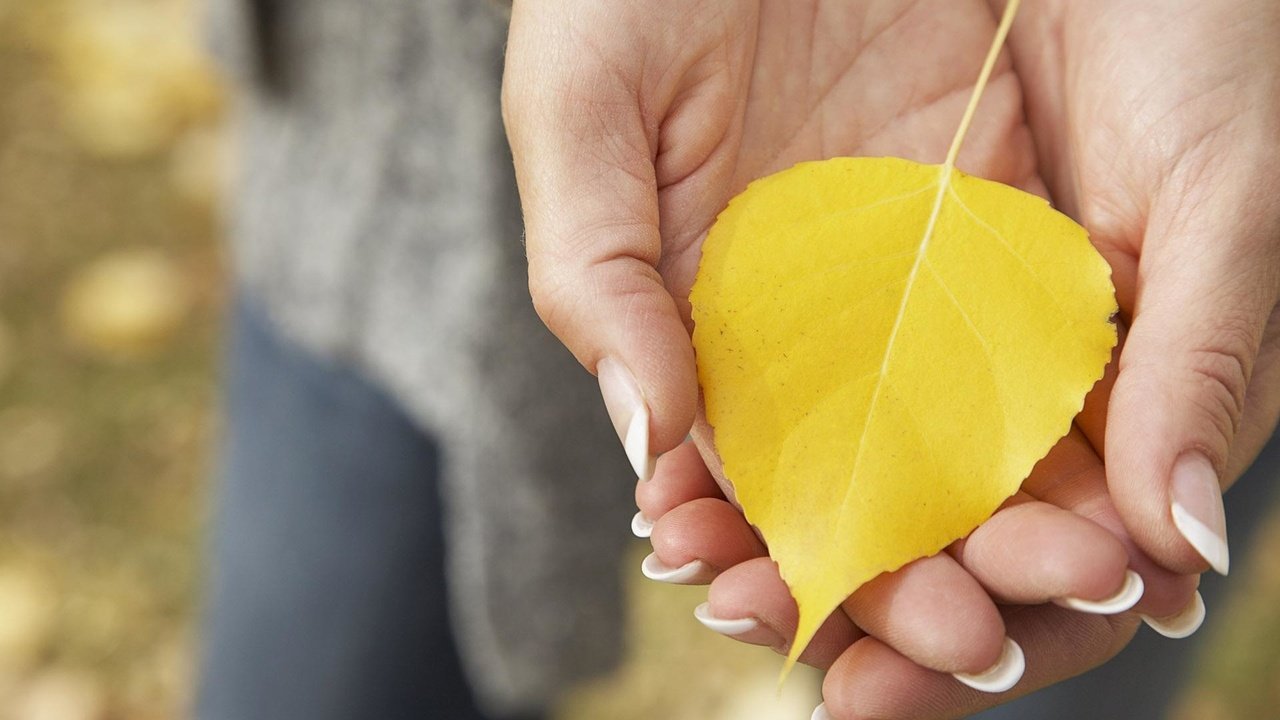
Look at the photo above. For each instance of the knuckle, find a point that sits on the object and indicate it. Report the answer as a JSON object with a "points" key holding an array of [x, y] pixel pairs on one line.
{"points": [[1221, 372], [567, 295], [624, 233], [554, 298]]}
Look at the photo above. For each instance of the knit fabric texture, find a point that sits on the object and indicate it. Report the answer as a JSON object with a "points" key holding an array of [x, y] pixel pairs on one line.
{"points": [[375, 215]]}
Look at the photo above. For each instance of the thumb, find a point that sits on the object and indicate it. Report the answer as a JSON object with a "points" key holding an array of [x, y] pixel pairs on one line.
{"points": [[1202, 305], [587, 185]]}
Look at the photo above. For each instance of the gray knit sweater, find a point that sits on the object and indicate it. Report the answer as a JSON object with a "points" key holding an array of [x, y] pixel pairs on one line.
{"points": [[376, 216]]}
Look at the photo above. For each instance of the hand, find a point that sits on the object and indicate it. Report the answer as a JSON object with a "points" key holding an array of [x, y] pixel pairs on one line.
{"points": [[889, 648], [632, 127], [633, 122], [1190, 396], [1158, 127]]}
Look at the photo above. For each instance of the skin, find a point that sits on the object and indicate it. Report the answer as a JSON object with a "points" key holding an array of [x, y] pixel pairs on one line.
{"points": [[1157, 126], [632, 124], [884, 649]]}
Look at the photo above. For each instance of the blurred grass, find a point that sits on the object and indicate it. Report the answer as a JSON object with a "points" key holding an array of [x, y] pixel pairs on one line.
{"points": [[111, 282], [1239, 669]]}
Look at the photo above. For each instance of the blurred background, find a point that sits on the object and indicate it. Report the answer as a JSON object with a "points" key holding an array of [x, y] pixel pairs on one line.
{"points": [[113, 157]]}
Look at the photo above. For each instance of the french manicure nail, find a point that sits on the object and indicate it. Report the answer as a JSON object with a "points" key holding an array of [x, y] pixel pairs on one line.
{"points": [[1003, 675], [641, 526], [820, 713], [1184, 624], [721, 625], [1197, 509], [1128, 596], [690, 573], [629, 413]]}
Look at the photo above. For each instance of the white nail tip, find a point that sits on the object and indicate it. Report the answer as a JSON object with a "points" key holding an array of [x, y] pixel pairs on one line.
{"points": [[1184, 624], [690, 572], [637, 444], [820, 713], [721, 625], [1003, 675], [641, 526], [1211, 547], [1128, 596]]}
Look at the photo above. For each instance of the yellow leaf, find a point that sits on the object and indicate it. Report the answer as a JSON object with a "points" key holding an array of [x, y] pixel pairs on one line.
{"points": [[885, 350]]}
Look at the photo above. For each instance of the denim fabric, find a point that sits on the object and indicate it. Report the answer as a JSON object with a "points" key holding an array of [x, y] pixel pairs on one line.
{"points": [[327, 595]]}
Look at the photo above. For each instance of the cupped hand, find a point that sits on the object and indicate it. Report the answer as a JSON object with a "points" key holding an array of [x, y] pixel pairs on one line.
{"points": [[1157, 126], [898, 646], [633, 122]]}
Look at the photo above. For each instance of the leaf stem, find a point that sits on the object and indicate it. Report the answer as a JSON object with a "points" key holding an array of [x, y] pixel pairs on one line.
{"points": [[808, 627], [1006, 21], [944, 183]]}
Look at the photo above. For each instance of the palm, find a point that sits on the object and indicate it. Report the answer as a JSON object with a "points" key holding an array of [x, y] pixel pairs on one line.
{"points": [[609, 101], [795, 81], [831, 100], [795, 108], [1140, 142]]}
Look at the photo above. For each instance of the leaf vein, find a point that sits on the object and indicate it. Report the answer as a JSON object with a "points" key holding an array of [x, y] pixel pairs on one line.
{"points": [[943, 183], [968, 320], [977, 219]]}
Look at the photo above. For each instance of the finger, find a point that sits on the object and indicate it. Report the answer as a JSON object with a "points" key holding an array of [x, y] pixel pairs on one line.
{"points": [[1207, 286], [872, 680], [584, 166], [933, 612], [1032, 552], [1071, 477], [1169, 596], [679, 477], [695, 541], [751, 603]]}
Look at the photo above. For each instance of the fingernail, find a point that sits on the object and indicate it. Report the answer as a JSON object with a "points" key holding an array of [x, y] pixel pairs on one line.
{"points": [[1128, 596], [692, 572], [641, 526], [1197, 509], [1184, 624], [1003, 675], [629, 413], [820, 713], [721, 625]]}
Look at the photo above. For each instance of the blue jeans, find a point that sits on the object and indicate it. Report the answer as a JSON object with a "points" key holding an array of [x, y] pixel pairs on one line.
{"points": [[327, 597], [327, 594]]}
